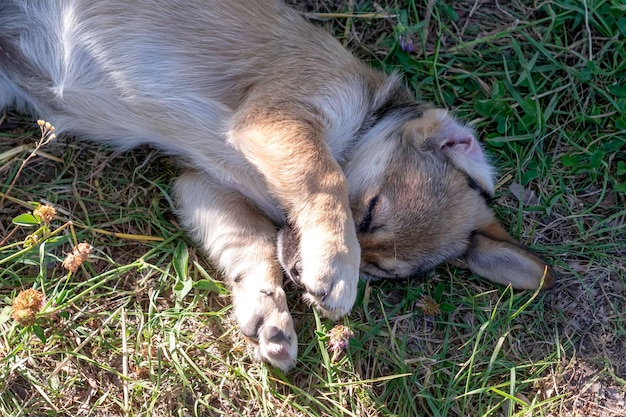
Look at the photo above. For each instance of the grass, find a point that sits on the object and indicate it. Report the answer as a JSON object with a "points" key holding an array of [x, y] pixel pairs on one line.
{"points": [[144, 327]]}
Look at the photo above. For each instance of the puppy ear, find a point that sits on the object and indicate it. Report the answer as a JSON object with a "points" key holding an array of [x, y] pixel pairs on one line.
{"points": [[495, 255], [459, 144]]}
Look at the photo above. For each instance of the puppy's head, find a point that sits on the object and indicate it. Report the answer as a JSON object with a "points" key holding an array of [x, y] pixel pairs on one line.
{"points": [[419, 184]]}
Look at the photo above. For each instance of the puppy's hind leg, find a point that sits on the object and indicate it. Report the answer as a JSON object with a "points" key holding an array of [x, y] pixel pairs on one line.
{"points": [[241, 241]]}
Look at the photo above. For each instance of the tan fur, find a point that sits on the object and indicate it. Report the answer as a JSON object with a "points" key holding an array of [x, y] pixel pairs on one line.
{"points": [[277, 124]]}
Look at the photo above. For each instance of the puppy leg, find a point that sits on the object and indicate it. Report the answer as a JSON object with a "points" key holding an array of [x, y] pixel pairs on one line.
{"points": [[240, 240], [291, 153]]}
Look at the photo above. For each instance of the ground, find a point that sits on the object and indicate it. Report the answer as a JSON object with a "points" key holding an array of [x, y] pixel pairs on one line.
{"points": [[143, 326]]}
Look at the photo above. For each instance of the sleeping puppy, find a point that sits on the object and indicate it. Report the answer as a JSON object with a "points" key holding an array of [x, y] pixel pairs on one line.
{"points": [[276, 123]]}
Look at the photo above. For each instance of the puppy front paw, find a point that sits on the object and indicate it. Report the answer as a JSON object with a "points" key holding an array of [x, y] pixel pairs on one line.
{"points": [[335, 294], [265, 320], [329, 272]]}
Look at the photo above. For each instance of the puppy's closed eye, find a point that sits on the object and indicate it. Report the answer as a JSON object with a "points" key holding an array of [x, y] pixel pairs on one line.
{"points": [[366, 224]]}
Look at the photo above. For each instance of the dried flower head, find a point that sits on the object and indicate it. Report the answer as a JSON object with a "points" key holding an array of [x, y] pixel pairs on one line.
{"points": [[428, 305], [31, 240], [79, 255], [83, 249], [26, 306], [338, 338], [71, 263], [45, 213], [47, 130]]}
